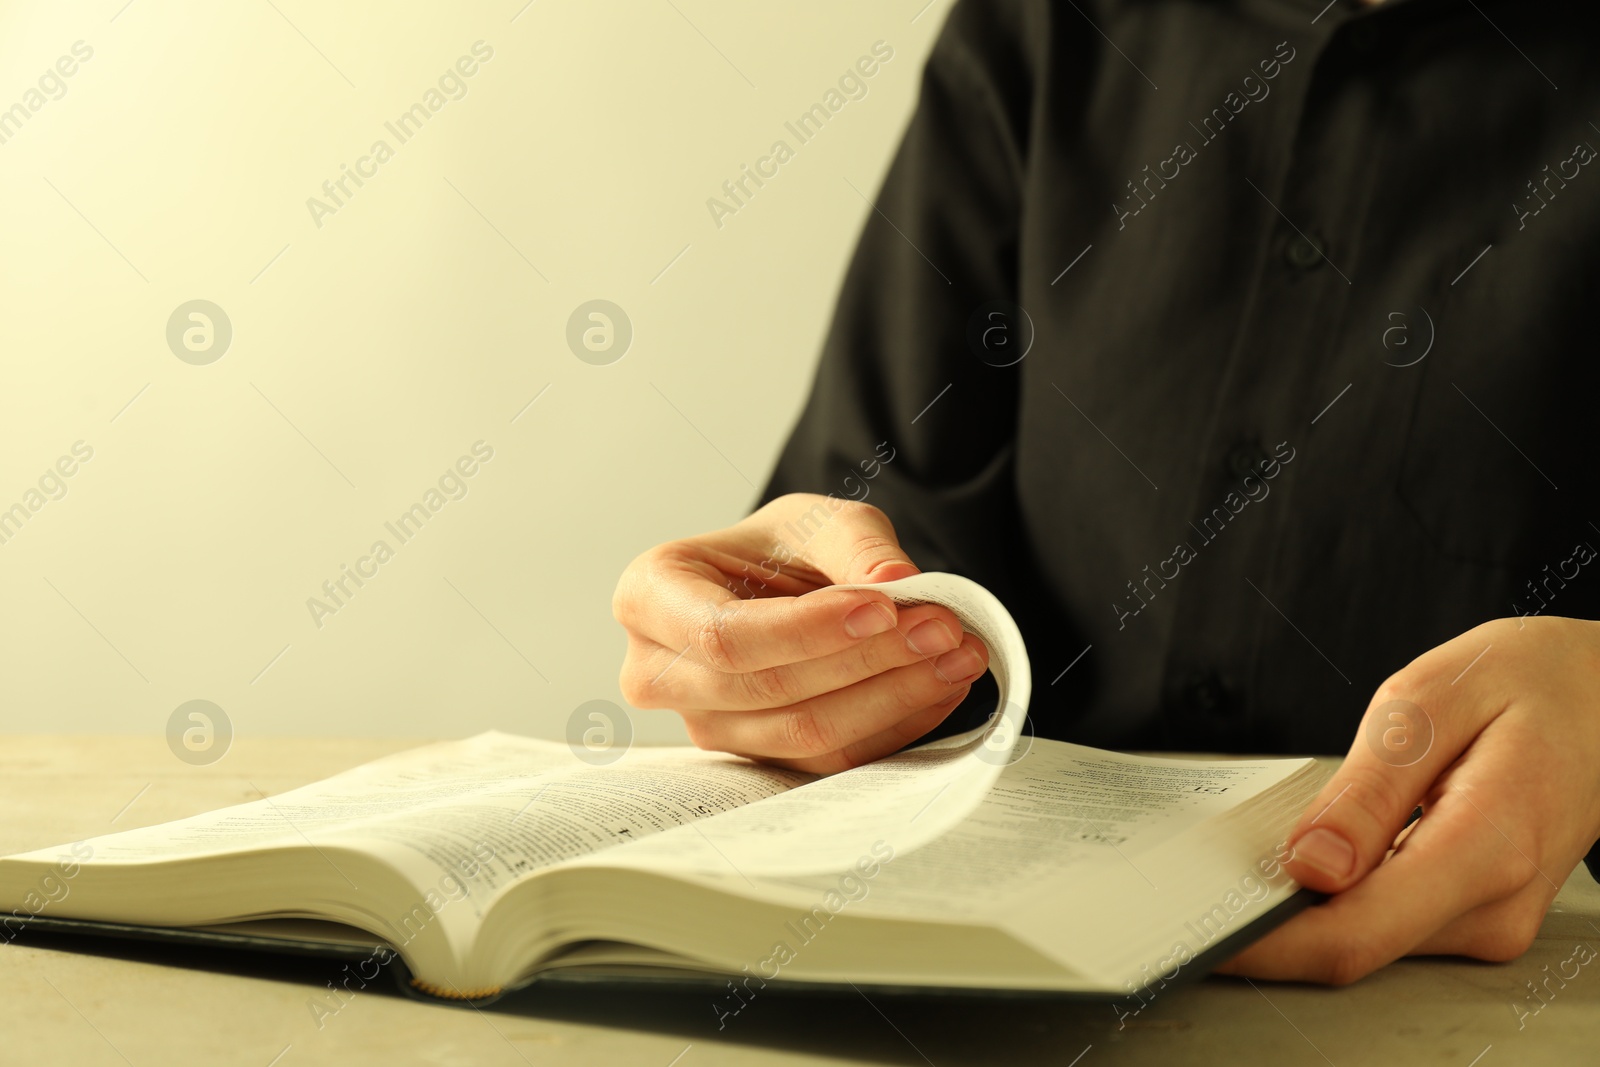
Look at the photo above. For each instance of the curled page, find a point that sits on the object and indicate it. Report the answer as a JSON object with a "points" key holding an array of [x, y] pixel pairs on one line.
{"points": [[904, 800]]}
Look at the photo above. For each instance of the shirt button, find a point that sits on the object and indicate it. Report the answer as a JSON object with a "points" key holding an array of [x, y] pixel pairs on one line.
{"points": [[1245, 459], [1304, 252]]}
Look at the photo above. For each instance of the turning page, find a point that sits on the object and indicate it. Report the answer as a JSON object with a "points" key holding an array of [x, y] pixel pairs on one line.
{"points": [[907, 799]]}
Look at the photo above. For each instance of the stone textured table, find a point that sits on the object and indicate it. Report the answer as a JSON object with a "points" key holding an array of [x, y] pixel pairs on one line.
{"points": [[146, 1006]]}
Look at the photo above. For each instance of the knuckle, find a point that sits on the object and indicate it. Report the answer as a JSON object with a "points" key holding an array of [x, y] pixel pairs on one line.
{"points": [[1422, 682], [700, 731], [875, 655], [872, 531], [1502, 880], [654, 561], [867, 547], [912, 727], [663, 564], [635, 683], [805, 734], [1401, 685], [1501, 827], [915, 687], [771, 687], [846, 759], [808, 640], [860, 513], [1519, 856], [1425, 681], [1505, 627], [631, 600], [1352, 959], [1503, 945], [625, 598], [715, 644], [783, 505], [1505, 932], [1375, 793], [1520, 931]]}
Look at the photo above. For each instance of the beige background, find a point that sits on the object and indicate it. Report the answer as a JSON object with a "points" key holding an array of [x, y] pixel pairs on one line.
{"points": [[372, 351]]}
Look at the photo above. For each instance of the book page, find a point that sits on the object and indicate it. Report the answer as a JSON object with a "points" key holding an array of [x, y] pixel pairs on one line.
{"points": [[486, 839], [1193, 890], [457, 821], [908, 799], [1062, 816], [1108, 864], [533, 802]]}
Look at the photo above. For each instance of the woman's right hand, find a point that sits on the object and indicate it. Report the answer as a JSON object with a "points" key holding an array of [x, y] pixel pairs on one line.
{"points": [[738, 632]]}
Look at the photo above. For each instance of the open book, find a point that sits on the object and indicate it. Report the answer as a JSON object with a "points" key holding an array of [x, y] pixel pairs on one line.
{"points": [[989, 860]]}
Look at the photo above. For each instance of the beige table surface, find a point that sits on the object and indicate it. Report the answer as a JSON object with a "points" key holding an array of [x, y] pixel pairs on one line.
{"points": [[133, 1008]]}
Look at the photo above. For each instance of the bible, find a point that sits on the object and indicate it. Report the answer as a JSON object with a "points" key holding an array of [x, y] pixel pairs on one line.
{"points": [[985, 861]]}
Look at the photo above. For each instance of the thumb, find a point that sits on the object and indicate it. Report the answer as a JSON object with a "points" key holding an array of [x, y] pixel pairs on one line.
{"points": [[1391, 766], [847, 541]]}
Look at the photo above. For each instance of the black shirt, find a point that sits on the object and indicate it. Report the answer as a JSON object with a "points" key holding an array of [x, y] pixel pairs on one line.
{"points": [[1307, 298]]}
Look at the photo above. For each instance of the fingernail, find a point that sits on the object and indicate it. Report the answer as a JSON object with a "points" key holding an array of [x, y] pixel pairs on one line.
{"points": [[959, 665], [931, 637], [1327, 852], [867, 620]]}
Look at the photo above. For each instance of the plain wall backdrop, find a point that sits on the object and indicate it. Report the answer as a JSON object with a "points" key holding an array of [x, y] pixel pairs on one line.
{"points": [[377, 339]]}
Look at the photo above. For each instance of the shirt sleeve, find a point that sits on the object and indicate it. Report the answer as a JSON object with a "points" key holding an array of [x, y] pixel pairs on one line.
{"points": [[898, 376]]}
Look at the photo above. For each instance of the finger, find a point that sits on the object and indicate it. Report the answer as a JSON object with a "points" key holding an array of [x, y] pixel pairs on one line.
{"points": [[833, 721], [674, 681], [850, 542], [884, 742], [1534, 859], [1347, 830], [687, 612], [1498, 931], [1453, 862]]}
